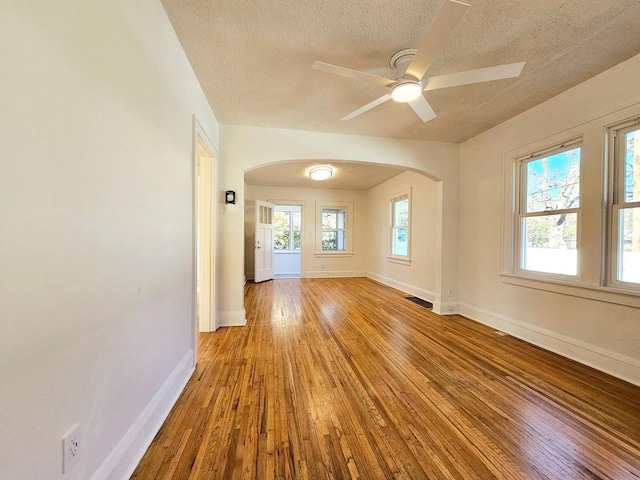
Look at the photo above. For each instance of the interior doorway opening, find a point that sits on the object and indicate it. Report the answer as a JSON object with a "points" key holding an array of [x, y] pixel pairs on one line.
{"points": [[287, 241]]}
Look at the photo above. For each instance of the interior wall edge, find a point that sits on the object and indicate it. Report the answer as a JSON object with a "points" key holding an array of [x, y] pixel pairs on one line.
{"points": [[607, 361], [124, 458], [232, 318]]}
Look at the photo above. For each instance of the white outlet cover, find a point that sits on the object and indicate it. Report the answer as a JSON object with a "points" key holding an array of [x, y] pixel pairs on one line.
{"points": [[71, 448]]}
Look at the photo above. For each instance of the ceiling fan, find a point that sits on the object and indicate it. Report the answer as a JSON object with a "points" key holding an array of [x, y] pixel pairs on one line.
{"points": [[411, 67]]}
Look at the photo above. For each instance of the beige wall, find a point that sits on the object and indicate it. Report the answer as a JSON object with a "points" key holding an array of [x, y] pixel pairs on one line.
{"points": [[600, 333], [418, 278], [311, 265], [96, 233], [245, 148]]}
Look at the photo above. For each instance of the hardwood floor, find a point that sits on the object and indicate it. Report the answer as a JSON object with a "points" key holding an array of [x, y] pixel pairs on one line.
{"points": [[344, 378]]}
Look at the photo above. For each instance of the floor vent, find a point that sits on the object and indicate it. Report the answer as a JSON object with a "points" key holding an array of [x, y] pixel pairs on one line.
{"points": [[419, 301]]}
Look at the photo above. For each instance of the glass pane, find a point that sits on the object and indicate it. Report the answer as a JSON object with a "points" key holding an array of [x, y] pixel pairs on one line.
{"points": [[281, 231], [341, 218], [550, 244], [629, 245], [400, 242], [329, 241], [401, 213], [297, 230], [553, 182], [632, 166], [329, 219]]}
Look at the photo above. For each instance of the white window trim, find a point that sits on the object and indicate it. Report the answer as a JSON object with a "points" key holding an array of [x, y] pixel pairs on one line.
{"points": [[518, 200], [391, 257], [348, 208], [615, 134]]}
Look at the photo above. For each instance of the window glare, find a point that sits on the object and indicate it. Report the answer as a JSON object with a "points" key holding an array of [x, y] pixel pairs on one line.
{"points": [[553, 182], [629, 245], [632, 166], [550, 244]]}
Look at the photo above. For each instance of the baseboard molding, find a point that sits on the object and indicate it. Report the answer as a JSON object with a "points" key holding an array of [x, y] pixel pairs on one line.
{"points": [[232, 318], [124, 458], [445, 308], [333, 273], [615, 364], [404, 287]]}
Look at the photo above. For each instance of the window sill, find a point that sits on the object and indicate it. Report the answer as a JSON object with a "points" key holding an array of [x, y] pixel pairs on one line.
{"points": [[398, 260], [334, 254], [286, 252], [592, 292]]}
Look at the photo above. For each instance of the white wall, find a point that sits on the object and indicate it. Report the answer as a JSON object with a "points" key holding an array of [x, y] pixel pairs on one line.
{"points": [[313, 266], [600, 333], [418, 278], [245, 148], [96, 233]]}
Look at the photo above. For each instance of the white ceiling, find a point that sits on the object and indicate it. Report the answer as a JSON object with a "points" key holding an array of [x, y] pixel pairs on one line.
{"points": [[253, 58], [346, 175]]}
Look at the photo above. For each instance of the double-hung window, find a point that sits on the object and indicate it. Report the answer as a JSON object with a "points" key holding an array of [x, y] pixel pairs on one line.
{"points": [[399, 226], [625, 207], [548, 211], [334, 228]]}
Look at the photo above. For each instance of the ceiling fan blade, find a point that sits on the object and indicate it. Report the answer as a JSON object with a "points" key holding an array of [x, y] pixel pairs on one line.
{"points": [[488, 74], [423, 109], [451, 13], [368, 106], [346, 72]]}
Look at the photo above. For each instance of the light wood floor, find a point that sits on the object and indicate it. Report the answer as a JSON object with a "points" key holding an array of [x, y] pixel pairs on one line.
{"points": [[344, 378]]}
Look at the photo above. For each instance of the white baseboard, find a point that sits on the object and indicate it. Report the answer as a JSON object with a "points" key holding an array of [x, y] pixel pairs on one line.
{"points": [[405, 287], [333, 273], [232, 318], [124, 458], [616, 364], [445, 308]]}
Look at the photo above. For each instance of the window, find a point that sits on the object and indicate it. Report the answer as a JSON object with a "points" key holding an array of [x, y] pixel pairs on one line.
{"points": [[287, 224], [399, 228], [625, 206], [548, 211], [334, 228]]}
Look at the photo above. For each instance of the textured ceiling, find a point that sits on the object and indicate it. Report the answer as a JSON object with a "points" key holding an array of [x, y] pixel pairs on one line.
{"points": [[253, 58], [346, 175]]}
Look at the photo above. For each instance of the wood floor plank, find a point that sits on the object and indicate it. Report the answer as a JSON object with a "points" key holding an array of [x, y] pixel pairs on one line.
{"points": [[344, 378]]}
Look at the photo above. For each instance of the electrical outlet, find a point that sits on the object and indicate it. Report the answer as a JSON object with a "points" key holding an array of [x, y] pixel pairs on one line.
{"points": [[71, 448], [451, 308]]}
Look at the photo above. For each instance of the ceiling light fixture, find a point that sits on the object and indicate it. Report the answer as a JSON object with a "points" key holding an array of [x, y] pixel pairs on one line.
{"points": [[320, 173], [406, 91]]}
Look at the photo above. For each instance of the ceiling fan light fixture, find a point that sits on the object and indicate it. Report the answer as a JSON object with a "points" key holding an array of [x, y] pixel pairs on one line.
{"points": [[406, 91], [320, 173]]}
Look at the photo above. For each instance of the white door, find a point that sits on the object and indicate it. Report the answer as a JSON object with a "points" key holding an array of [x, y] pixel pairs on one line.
{"points": [[264, 242]]}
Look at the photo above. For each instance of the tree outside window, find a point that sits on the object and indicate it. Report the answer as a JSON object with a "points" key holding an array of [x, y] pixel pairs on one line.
{"points": [[549, 212], [334, 233], [287, 228]]}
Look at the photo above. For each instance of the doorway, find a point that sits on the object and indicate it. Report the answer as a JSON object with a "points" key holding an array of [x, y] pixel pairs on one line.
{"points": [[204, 305], [287, 241]]}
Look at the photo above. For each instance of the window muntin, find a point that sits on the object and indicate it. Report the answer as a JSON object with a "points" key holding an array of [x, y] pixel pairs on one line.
{"points": [[625, 208], [549, 205], [400, 226], [334, 230]]}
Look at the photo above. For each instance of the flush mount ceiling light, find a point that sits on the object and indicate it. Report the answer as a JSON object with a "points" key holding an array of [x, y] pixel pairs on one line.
{"points": [[406, 91], [320, 173]]}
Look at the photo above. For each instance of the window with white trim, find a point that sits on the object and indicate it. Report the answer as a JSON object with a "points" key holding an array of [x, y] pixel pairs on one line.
{"points": [[399, 226], [624, 211], [334, 228], [548, 211]]}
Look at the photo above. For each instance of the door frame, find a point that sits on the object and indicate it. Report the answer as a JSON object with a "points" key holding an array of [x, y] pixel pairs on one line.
{"points": [[202, 142], [301, 204]]}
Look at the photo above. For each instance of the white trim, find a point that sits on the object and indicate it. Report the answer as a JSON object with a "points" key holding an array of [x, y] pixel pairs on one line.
{"points": [[334, 273], [398, 260], [233, 318], [126, 455], [607, 361], [445, 308], [336, 253], [427, 295]]}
